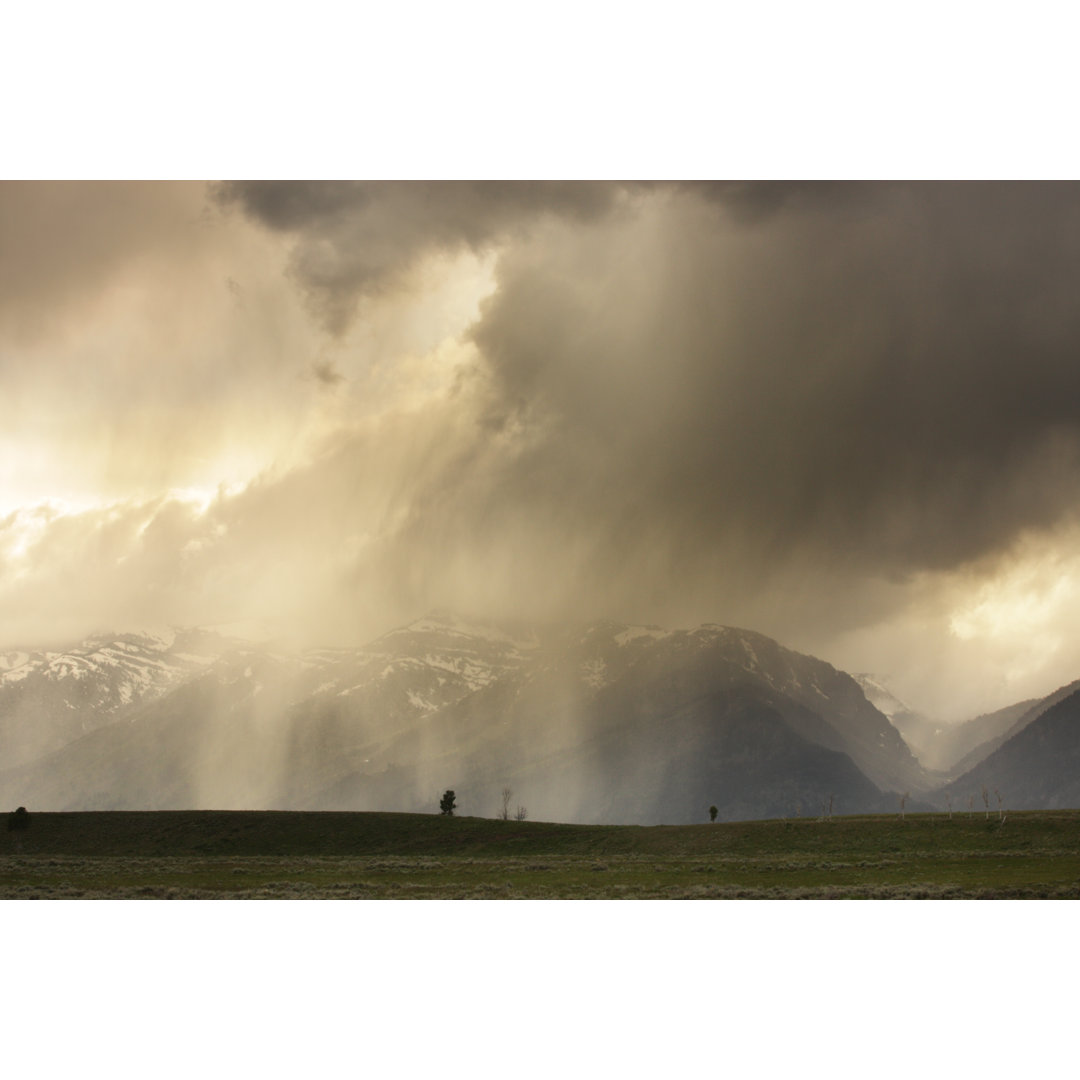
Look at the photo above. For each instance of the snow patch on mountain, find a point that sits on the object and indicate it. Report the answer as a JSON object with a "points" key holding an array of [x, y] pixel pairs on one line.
{"points": [[17, 675], [635, 633], [475, 674], [194, 659], [880, 696], [594, 674], [159, 638]]}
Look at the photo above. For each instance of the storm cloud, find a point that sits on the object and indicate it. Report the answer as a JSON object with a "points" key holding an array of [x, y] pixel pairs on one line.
{"points": [[355, 239], [837, 413], [877, 377], [888, 378]]}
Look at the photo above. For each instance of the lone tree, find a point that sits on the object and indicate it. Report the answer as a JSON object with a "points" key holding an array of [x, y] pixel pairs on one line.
{"points": [[505, 814], [521, 814], [712, 813], [18, 819], [446, 804]]}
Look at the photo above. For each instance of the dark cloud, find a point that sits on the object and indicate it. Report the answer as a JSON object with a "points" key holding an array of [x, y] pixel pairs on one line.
{"points": [[356, 239], [753, 201], [697, 394], [324, 371], [287, 205], [865, 380]]}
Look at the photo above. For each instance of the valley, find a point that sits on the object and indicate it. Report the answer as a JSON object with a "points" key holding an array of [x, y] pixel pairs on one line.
{"points": [[591, 724]]}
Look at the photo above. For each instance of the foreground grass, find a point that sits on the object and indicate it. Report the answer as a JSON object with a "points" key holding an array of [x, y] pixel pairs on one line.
{"points": [[256, 855]]}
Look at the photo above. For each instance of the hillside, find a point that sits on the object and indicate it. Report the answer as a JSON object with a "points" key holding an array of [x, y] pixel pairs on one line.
{"points": [[922, 734], [50, 698], [962, 746], [1037, 767], [605, 722], [616, 724], [1005, 724]]}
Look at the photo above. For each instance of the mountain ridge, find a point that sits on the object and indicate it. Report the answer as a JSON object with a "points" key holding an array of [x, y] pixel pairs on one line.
{"points": [[624, 721]]}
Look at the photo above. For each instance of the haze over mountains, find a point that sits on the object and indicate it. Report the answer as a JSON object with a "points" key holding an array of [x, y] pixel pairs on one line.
{"points": [[601, 722]]}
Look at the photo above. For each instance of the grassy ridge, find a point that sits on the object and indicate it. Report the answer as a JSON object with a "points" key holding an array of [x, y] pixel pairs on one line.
{"points": [[254, 854]]}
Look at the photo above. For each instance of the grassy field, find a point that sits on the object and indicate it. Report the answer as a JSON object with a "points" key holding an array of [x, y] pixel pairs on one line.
{"points": [[278, 855]]}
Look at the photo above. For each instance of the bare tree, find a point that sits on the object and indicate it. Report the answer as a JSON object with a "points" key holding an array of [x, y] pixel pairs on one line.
{"points": [[1001, 805], [505, 814], [971, 805], [903, 803], [521, 814], [948, 803], [986, 801]]}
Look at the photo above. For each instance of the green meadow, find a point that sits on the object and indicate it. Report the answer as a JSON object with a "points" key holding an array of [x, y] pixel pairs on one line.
{"points": [[285, 855]]}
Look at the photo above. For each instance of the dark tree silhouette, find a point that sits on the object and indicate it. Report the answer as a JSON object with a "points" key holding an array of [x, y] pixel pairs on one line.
{"points": [[446, 805], [712, 813], [18, 819]]}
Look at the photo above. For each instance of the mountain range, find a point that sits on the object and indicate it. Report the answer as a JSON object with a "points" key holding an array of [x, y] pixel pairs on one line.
{"points": [[604, 723]]}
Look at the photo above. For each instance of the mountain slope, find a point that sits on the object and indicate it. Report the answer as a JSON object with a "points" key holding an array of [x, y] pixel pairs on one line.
{"points": [[1036, 768], [599, 723], [253, 727], [618, 723], [48, 699], [954, 749], [922, 734], [1009, 722]]}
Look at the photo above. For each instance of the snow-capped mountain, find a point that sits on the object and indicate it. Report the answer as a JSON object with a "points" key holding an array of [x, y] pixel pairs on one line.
{"points": [[423, 666], [598, 722], [49, 698], [639, 724]]}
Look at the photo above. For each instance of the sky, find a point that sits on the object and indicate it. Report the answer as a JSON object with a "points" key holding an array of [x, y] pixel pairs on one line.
{"points": [[844, 414]]}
